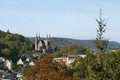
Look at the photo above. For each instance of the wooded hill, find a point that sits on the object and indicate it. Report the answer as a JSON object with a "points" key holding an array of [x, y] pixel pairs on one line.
{"points": [[63, 42], [11, 45]]}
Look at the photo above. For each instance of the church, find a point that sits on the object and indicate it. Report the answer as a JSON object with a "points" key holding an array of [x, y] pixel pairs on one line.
{"points": [[42, 46]]}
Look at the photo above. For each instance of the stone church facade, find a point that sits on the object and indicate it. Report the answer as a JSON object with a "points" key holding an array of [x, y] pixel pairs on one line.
{"points": [[42, 46]]}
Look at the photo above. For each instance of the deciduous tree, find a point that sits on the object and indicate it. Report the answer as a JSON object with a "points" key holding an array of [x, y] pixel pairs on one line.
{"points": [[46, 69]]}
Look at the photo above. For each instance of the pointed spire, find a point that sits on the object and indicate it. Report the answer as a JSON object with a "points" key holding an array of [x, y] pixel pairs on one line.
{"points": [[39, 36], [36, 35], [49, 37]]}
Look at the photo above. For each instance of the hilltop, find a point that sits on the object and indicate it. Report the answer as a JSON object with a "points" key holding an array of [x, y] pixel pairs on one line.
{"points": [[12, 45], [63, 42]]}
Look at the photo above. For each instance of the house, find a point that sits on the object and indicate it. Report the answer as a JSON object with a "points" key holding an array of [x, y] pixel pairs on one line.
{"points": [[27, 57], [5, 64], [20, 62], [31, 63], [19, 76], [60, 59], [68, 60], [9, 64], [71, 58]]}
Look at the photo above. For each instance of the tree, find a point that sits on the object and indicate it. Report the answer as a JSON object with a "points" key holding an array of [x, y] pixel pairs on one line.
{"points": [[46, 69], [6, 52], [12, 45], [90, 68], [101, 42], [71, 50]]}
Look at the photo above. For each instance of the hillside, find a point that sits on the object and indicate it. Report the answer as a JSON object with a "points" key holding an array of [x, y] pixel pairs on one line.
{"points": [[11, 45], [62, 42]]}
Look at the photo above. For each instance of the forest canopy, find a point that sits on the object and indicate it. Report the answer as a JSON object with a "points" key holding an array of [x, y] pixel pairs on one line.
{"points": [[12, 45]]}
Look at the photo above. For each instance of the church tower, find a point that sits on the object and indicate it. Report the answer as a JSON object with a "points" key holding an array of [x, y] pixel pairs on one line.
{"points": [[36, 42], [47, 43], [39, 37], [42, 45]]}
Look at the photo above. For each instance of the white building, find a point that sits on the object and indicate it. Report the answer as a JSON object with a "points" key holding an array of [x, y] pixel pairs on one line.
{"points": [[19, 76], [20, 62], [6, 63], [68, 60], [31, 63], [59, 59], [9, 64]]}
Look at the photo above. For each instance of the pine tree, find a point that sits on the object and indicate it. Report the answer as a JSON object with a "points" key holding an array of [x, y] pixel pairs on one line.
{"points": [[101, 42]]}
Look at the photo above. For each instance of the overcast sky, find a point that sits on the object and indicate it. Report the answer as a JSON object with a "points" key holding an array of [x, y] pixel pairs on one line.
{"points": [[60, 18]]}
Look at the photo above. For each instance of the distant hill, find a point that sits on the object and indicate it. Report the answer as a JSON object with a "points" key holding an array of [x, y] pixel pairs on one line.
{"points": [[62, 42], [11, 45]]}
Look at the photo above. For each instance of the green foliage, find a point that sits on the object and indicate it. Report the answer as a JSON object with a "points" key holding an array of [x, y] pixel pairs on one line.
{"points": [[71, 50], [101, 42], [105, 66], [6, 52], [12, 45]]}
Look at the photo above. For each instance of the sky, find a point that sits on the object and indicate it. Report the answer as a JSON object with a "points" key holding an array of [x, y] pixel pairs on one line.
{"points": [[60, 18]]}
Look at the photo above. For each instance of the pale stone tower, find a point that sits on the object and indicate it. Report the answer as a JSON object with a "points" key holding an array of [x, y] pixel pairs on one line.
{"points": [[36, 42], [47, 43], [39, 37]]}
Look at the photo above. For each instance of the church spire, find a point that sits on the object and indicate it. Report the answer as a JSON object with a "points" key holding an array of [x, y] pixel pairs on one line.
{"points": [[39, 36], [49, 37], [36, 42], [36, 35]]}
